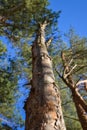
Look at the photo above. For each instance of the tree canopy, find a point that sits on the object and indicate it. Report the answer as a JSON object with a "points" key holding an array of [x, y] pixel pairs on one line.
{"points": [[19, 21]]}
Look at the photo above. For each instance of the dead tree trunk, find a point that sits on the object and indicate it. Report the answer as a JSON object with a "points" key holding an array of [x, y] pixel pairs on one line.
{"points": [[81, 107], [43, 106], [80, 104]]}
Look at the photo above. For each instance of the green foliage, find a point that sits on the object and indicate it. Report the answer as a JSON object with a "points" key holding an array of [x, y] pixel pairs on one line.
{"points": [[2, 48], [20, 18], [75, 49], [77, 52], [5, 127], [27, 59], [7, 87], [9, 71]]}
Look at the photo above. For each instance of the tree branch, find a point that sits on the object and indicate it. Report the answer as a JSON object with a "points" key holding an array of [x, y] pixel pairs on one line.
{"points": [[66, 75], [58, 73], [80, 82], [72, 118], [49, 42], [66, 103]]}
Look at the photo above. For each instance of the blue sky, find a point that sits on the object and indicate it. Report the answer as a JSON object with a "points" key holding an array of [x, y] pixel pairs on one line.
{"points": [[74, 14]]}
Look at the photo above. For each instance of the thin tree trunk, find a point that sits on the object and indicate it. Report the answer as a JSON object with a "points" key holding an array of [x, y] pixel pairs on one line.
{"points": [[43, 106], [81, 107], [80, 104]]}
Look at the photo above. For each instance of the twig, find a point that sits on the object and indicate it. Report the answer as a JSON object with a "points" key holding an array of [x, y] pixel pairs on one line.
{"points": [[66, 103], [63, 88], [49, 41], [58, 73], [65, 75], [72, 118]]}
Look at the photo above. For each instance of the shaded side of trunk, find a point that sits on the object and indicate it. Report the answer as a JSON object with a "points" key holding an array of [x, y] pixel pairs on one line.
{"points": [[43, 106]]}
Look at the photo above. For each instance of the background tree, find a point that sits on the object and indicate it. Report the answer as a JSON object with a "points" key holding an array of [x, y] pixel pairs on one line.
{"points": [[69, 110], [8, 90], [19, 20], [74, 72], [10, 24]]}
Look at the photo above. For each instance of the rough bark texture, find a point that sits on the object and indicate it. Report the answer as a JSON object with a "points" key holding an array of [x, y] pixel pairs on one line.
{"points": [[43, 106], [81, 107], [80, 104]]}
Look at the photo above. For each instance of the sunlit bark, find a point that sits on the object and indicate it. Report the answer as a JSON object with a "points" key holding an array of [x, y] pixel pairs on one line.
{"points": [[43, 106]]}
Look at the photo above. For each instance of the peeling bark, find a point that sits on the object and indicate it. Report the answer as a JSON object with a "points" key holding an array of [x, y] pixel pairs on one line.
{"points": [[43, 106]]}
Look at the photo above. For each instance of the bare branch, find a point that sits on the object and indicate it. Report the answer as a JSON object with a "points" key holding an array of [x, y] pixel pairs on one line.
{"points": [[80, 82], [65, 76], [72, 118], [82, 67], [58, 73], [70, 62], [63, 88], [67, 102], [4, 120], [49, 41]]}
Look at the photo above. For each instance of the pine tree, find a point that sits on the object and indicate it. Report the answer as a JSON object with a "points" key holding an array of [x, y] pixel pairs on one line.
{"points": [[43, 107], [74, 71], [16, 27]]}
